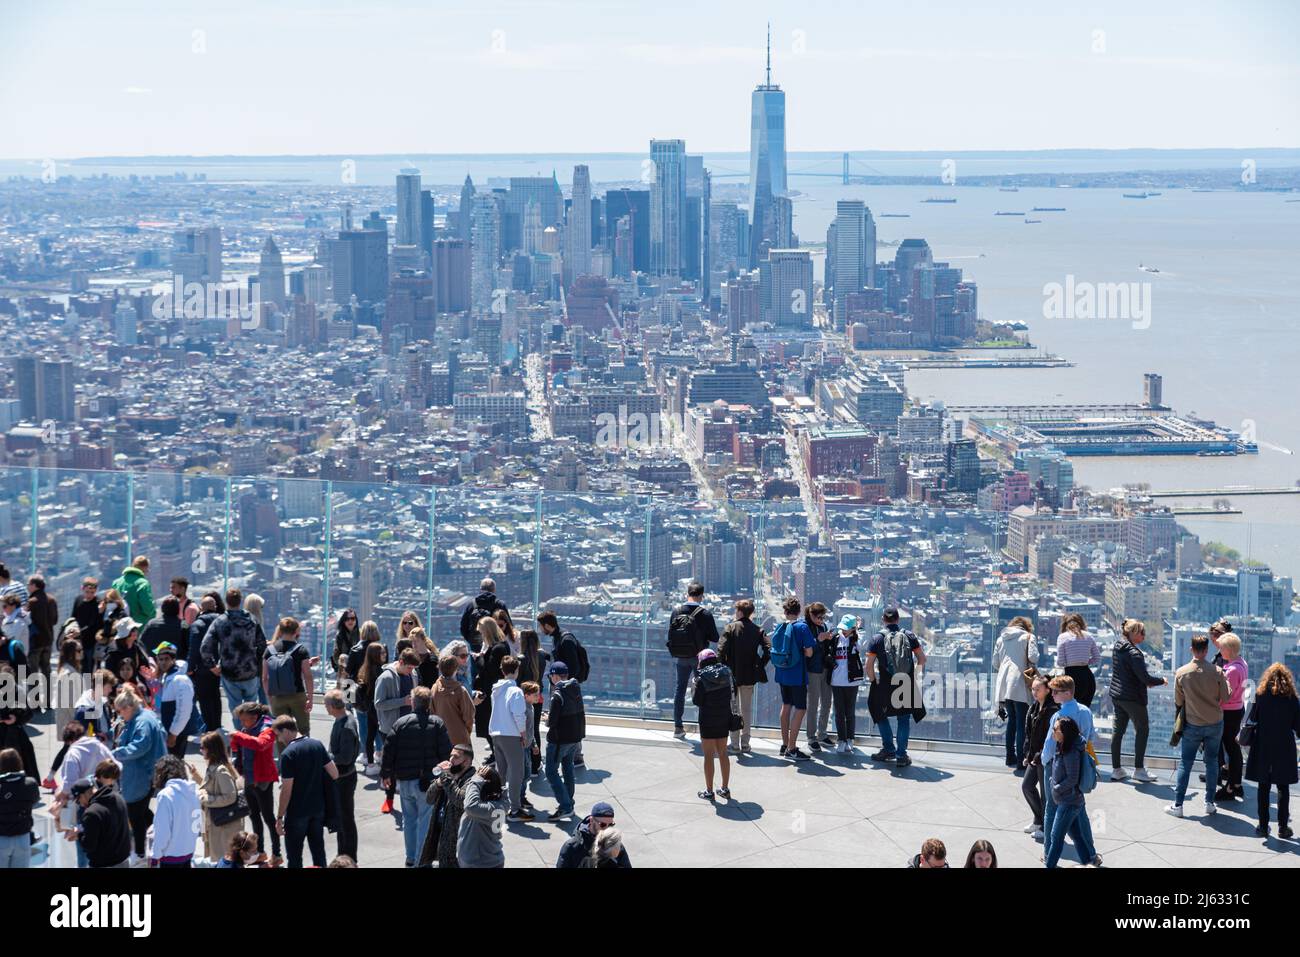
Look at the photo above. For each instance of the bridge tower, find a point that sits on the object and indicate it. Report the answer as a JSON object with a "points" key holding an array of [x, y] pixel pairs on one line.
{"points": [[846, 169]]}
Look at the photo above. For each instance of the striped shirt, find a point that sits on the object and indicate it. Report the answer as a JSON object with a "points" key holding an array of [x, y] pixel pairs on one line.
{"points": [[1074, 650], [14, 588]]}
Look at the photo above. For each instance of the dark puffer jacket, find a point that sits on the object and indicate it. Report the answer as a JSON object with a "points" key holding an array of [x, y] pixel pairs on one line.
{"points": [[1129, 678], [18, 795], [418, 743]]}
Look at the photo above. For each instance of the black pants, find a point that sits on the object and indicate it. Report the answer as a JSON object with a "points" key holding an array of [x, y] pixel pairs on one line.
{"points": [[347, 832], [1263, 786], [1031, 786], [1230, 751], [138, 813], [1085, 684], [178, 749], [372, 728], [845, 701], [261, 811], [310, 829], [207, 694], [1126, 711], [536, 758]]}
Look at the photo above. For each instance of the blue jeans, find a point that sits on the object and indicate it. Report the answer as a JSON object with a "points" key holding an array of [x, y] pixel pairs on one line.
{"points": [[685, 668], [1068, 819], [16, 851], [1016, 713], [887, 734], [1194, 735], [416, 815], [559, 757], [363, 725], [238, 692], [1083, 824]]}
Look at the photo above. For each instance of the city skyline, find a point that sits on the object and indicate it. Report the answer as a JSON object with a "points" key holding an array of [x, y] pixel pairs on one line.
{"points": [[1112, 80]]}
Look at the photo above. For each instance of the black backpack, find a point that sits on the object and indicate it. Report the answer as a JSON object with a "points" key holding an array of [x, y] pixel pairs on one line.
{"points": [[683, 638], [584, 665]]}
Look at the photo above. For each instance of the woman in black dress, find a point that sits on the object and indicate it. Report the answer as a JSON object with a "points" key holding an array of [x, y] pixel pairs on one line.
{"points": [[1276, 717], [712, 696]]}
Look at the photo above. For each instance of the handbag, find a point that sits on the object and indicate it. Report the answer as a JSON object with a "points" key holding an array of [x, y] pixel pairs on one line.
{"points": [[736, 722], [1246, 736], [230, 812]]}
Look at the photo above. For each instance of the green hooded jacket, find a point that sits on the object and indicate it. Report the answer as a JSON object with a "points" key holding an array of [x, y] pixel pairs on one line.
{"points": [[137, 593]]}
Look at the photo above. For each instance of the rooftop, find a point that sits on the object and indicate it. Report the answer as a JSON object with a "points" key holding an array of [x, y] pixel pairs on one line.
{"points": [[834, 811]]}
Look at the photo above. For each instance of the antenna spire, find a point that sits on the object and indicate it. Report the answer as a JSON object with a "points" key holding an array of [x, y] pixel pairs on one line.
{"points": [[769, 53]]}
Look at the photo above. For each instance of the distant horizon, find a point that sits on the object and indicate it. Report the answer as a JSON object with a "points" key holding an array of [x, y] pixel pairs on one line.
{"points": [[1227, 152]]}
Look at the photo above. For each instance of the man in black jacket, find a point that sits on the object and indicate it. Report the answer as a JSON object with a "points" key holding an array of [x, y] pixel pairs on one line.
{"points": [[578, 847], [104, 831], [691, 629], [45, 621], [484, 606], [418, 744], [207, 686], [566, 723]]}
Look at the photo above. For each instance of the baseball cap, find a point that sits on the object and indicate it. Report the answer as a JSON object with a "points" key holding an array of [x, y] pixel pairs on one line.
{"points": [[558, 668], [82, 785], [125, 626], [891, 614], [602, 809], [848, 623], [165, 648]]}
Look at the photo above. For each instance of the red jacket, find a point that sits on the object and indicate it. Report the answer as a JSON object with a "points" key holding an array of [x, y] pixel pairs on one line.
{"points": [[262, 747]]}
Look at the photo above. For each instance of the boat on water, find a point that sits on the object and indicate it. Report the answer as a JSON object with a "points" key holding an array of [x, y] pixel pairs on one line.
{"points": [[1146, 268], [1021, 213], [1135, 195], [1031, 221], [895, 215], [1008, 189], [1155, 194], [1048, 209], [940, 199]]}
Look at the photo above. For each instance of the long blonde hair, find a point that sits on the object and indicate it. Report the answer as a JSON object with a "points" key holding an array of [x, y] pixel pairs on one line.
{"points": [[415, 623], [490, 632]]}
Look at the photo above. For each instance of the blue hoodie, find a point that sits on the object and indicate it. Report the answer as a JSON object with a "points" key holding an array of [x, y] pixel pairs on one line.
{"points": [[143, 743]]}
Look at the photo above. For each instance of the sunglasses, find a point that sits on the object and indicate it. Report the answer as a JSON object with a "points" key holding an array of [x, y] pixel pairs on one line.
{"points": [[603, 824]]}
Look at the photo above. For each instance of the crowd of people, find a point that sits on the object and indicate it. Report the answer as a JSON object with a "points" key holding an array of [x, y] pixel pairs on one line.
{"points": [[458, 738]]}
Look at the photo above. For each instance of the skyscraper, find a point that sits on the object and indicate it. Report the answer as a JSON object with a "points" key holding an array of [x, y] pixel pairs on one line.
{"points": [[667, 202], [853, 255], [788, 276], [46, 388], [634, 204], [577, 237], [270, 275], [485, 251], [408, 208], [465, 214], [767, 167]]}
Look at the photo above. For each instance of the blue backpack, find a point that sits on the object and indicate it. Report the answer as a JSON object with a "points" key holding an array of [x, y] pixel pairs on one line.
{"points": [[1087, 770], [784, 651]]}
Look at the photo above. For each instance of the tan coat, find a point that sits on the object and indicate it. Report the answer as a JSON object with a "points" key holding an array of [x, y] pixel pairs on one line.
{"points": [[452, 703], [220, 789]]}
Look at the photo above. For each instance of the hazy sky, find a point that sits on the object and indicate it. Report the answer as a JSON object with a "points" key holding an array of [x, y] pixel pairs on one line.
{"points": [[119, 77]]}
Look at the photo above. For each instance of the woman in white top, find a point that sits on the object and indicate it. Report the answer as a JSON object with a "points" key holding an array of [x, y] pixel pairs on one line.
{"points": [[845, 672], [1014, 652]]}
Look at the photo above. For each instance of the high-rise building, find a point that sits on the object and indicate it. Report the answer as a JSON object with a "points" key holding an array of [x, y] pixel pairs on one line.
{"points": [[270, 275], [695, 222], [409, 227], [196, 254], [46, 388], [577, 234], [485, 251], [788, 277], [634, 204], [667, 206], [451, 275], [125, 325], [767, 168], [1152, 390], [525, 191], [360, 265], [853, 254], [742, 302], [465, 212]]}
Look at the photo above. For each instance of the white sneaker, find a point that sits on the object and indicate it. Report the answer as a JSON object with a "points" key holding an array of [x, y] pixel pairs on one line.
{"points": [[1210, 808], [1119, 774], [371, 770], [845, 748], [1037, 836], [1145, 776], [1176, 810], [1031, 828]]}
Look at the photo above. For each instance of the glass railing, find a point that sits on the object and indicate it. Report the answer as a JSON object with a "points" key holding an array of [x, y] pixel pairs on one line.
{"points": [[611, 567]]}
